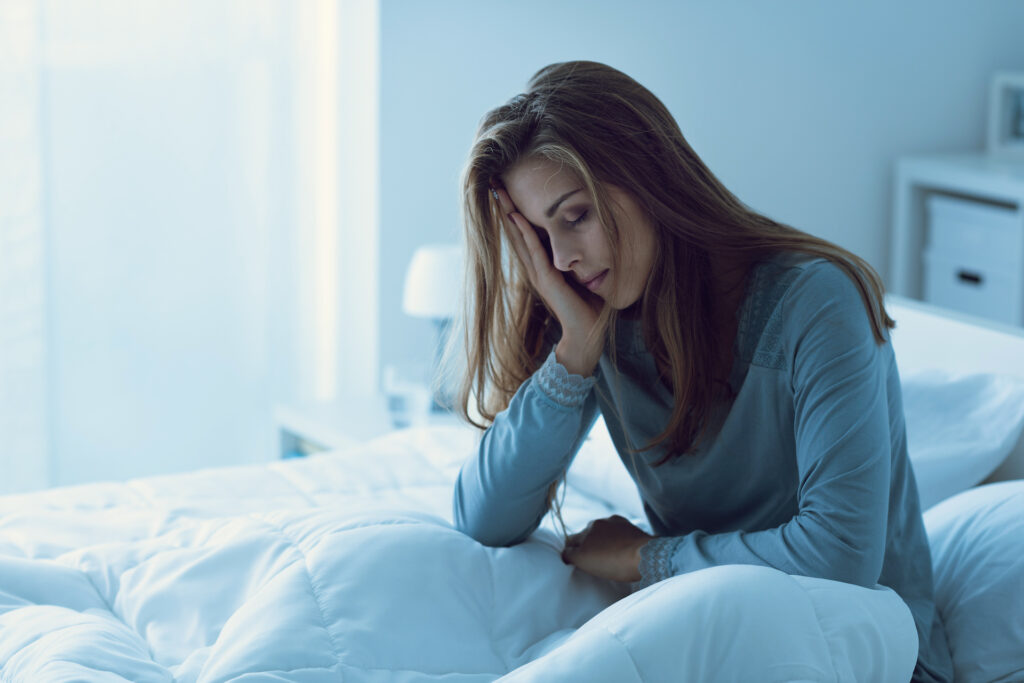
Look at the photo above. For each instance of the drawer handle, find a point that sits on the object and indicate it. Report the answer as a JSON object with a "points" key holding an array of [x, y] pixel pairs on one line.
{"points": [[969, 277]]}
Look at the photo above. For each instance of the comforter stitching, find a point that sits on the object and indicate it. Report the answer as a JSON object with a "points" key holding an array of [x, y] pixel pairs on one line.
{"points": [[821, 630], [490, 617], [117, 617], [316, 594], [106, 603], [65, 628], [625, 647], [314, 588]]}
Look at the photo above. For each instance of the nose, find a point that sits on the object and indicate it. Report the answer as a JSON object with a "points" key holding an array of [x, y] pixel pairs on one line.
{"points": [[565, 252]]}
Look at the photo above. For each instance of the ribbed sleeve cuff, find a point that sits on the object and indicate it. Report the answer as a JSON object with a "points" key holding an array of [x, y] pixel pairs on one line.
{"points": [[560, 386], [656, 560]]}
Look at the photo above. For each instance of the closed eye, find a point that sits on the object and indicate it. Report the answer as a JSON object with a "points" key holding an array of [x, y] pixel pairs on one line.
{"points": [[579, 219]]}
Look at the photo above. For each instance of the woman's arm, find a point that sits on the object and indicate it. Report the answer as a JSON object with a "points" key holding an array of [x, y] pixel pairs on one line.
{"points": [[501, 492], [838, 376]]}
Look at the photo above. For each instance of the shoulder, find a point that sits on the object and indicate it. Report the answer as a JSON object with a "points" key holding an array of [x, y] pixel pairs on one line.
{"points": [[792, 296], [822, 289]]}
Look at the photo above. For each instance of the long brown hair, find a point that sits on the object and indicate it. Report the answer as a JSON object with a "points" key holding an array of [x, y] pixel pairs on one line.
{"points": [[609, 130]]}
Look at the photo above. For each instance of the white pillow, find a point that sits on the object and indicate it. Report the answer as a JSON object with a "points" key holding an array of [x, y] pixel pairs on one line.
{"points": [[959, 428], [977, 545]]}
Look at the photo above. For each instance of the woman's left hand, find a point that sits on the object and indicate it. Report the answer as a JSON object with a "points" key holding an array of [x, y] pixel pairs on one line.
{"points": [[608, 548]]}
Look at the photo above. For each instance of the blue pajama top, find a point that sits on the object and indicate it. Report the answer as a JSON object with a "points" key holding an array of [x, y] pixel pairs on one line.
{"points": [[806, 471]]}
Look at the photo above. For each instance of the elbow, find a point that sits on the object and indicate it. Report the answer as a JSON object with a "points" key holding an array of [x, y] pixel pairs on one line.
{"points": [[849, 552], [464, 522], [470, 526], [857, 565], [480, 526], [858, 573], [483, 533], [490, 540]]}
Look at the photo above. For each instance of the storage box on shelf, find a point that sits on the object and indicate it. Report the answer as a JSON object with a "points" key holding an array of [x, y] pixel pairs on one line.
{"points": [[958, 234], [974, 262]]}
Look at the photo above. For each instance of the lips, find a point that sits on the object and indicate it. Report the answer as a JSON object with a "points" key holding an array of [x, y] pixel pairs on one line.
{"points": [[593, 283]]}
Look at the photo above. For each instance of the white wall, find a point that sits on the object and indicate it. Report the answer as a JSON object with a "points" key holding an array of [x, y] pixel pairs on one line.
{"points": [[799, 107]]}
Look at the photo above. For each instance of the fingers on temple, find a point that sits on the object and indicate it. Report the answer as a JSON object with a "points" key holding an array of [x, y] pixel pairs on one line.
{"points": [[515, 236], [504, 201], [532, 239], [506, 208], [523, 236], [526, 243], [511, 216]]}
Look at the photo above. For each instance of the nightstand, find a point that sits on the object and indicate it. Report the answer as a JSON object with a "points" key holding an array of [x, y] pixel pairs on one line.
{"points": [[312, 427], [958, 234]]}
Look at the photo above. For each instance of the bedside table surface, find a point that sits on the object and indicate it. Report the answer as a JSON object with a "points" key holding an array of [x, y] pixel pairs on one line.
{"points": [[334, 424]]}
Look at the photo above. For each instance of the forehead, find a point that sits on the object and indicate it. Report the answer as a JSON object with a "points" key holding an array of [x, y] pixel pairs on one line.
{"points": [[540, 175], [534, 182]]}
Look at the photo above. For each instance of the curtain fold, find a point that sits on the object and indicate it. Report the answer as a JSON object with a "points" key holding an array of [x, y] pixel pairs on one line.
{"points": [[24, 460]]}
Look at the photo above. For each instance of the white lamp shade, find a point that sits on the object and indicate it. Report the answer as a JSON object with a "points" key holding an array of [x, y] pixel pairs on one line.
{"points": [[433, 282]]}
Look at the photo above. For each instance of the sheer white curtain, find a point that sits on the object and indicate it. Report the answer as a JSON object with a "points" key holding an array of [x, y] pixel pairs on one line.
{"points": [[24, 460], [336, 108], [187, 228]]}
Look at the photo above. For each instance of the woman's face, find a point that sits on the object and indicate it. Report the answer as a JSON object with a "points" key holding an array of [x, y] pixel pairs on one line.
{"points": [[556, 203]]}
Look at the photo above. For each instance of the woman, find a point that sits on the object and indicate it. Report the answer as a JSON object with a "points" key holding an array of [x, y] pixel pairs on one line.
{"points": [[743, 368]]}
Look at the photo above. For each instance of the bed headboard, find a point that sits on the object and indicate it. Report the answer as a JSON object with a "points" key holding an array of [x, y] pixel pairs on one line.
{"points": [[928, 337]]}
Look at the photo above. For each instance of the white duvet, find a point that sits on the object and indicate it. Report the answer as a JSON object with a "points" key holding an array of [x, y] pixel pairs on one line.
{"points": [[344, 567]]}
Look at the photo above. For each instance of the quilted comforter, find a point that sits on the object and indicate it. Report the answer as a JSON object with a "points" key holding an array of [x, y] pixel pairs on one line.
{"points": [[345, 567]]}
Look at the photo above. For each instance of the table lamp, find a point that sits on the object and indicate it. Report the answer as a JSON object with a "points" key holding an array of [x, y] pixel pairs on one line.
{"points": [[432, 286]]}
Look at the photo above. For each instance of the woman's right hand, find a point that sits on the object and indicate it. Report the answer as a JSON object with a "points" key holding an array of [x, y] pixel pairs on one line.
{"points": [[576, 309]]}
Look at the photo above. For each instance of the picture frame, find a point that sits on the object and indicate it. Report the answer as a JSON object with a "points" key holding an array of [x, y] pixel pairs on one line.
{"points": [[1005, 138]]}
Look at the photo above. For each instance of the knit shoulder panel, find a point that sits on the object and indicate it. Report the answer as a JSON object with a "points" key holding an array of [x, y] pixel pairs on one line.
{"points": [[759, 337]]}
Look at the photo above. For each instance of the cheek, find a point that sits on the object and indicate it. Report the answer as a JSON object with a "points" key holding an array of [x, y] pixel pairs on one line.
{"points": [[602, 247], [637, 261], [646, 263], [644, 252]]}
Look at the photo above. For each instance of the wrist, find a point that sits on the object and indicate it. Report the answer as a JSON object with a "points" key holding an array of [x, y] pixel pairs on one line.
{"points": [[561, 385], [638, 558], [576, 358]]}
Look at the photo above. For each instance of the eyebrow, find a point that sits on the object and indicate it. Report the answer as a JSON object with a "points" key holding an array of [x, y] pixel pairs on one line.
{"points": [[551, 210]]}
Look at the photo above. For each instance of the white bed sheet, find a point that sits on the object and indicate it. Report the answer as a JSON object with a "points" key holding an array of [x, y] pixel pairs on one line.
{"points": [[345, 566]]}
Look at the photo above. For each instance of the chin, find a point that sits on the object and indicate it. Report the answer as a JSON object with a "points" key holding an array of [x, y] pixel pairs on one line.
{"points": [[626, 303]]}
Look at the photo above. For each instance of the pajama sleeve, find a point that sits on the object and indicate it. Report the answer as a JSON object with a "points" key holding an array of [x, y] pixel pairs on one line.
{"points": [[501, 491], [837, 375]]}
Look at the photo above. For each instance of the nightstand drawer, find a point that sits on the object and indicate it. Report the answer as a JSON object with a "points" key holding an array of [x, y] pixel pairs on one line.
{"points": [[971, 286], [986, 235]]}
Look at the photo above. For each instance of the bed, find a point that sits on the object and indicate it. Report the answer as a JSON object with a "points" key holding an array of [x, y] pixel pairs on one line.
{"points": [[344, 566]]}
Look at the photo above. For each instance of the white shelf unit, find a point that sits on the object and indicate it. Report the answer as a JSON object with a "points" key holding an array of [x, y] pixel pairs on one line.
{"points": [[312, 427], [975, 178], [305, 428]]}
